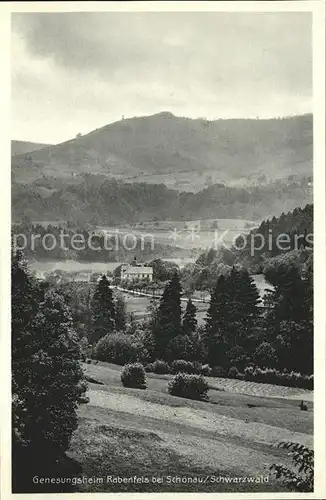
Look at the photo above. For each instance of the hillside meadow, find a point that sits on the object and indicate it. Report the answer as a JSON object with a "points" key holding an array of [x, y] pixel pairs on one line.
{"points": [[151, 434]]}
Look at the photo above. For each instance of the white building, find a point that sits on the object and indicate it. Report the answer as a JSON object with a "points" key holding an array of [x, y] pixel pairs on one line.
{"points": [[136, 271]]}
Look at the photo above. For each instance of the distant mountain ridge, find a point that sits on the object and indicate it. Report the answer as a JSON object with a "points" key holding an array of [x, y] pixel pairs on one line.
{"points": [[23, 147], [182, 153]]}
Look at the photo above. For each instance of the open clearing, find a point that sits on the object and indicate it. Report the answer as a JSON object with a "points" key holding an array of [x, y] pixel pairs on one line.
{"points": [[151, 434]]}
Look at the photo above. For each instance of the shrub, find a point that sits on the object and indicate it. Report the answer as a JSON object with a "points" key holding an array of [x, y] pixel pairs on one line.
{"points": [[218, 371], [133, 375], [145, 343], [265, 355], [182, 366], [238, 358], [149, 368], [249, 373], [206, 370], [160, 366], [234, 372], [197, 367], [188, 386], [116, 348]]}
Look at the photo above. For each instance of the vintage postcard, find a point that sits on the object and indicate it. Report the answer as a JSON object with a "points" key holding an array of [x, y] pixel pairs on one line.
{"points": [[163, 256]]}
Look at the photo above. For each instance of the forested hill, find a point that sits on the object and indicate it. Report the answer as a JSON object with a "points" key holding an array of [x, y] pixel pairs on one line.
{"points": [[96, 200], [290, 234], [180, 152], [204, 273], [300, 220]]}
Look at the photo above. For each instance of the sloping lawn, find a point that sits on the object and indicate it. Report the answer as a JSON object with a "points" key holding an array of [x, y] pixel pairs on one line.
{"points": [[159, 442]]}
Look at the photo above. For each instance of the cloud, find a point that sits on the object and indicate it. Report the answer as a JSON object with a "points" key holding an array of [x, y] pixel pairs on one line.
{"points": [[107, 64]]}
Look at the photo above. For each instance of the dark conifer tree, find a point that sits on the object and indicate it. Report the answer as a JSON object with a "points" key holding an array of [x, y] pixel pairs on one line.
{"points": [[290, 293], [168, 324], [189, 322], [218, 312], [217, 322], [231, 317], [120, 313], [249, 312], [242, 332], [248, 295], [290, 321], [103, 310], [234, 296]]}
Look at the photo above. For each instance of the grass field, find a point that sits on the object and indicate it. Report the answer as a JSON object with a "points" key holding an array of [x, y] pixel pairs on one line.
{"points": [[138, 306], [161, 438], [47, 266], [191, 234]]}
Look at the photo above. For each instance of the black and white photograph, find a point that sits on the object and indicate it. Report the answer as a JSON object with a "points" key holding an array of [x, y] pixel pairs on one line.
{"points": [[163, 173]]}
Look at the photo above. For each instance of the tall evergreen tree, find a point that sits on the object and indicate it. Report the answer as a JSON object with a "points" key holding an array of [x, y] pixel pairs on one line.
{"points": [[247, 300], [168, 324], [234, 295], [218, 312], [289, 323], [189, 322], [231, 318], [103, 310], [217, 321], [120, 313], [248, 295], [290, 293]]}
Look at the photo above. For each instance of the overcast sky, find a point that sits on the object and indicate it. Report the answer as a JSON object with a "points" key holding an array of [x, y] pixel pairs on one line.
{"points": [[76, 72]]}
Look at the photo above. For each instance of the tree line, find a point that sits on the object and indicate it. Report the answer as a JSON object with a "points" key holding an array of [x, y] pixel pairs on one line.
{"points": [[96, 200], [61, 243]]}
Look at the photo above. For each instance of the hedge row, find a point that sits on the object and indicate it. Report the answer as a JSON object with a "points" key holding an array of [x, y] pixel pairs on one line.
{"points": [[251, 373], [272, 376], [178, 366], [121, 349]]}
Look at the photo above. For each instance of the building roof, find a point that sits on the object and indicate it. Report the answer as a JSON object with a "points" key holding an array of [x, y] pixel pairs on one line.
{"points": [[137, 269]]}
